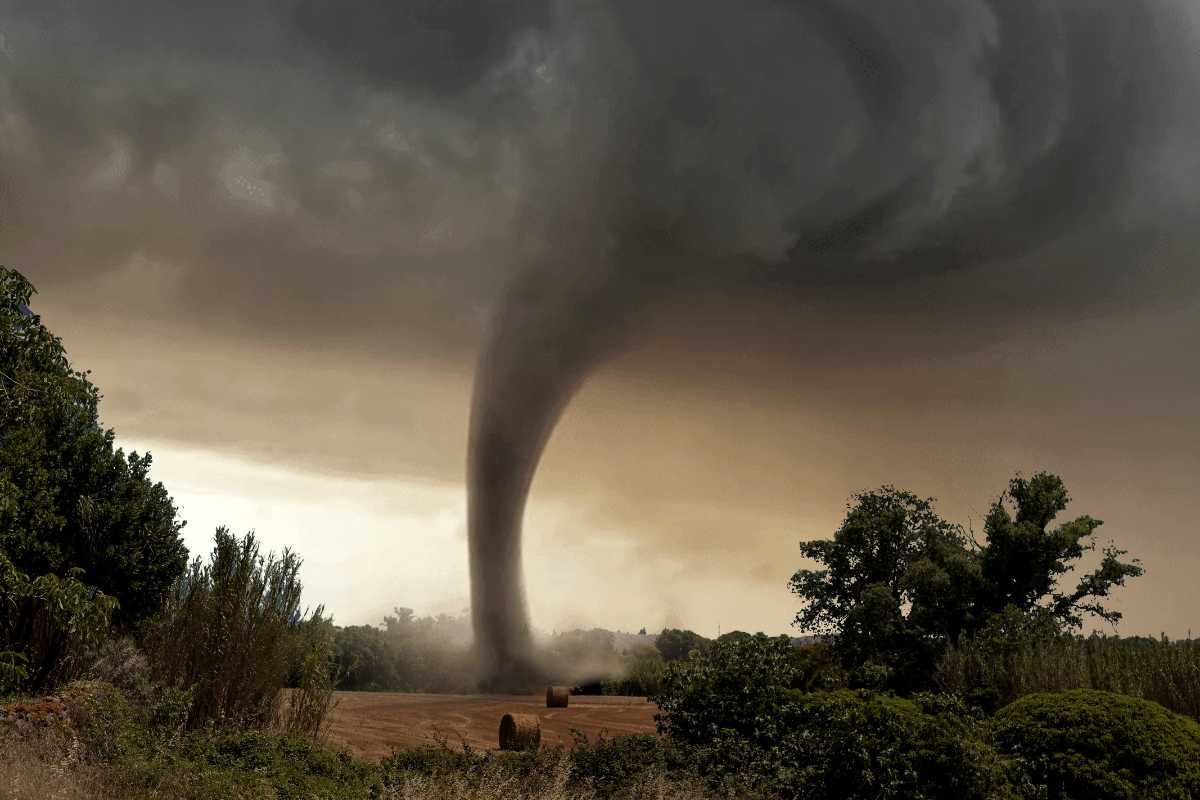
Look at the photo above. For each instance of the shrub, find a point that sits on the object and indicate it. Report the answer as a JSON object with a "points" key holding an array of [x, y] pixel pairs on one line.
{"points": [[611, 765], [845, 744], [232, 630], [736, 708], [1102, 746], [734, 687]]}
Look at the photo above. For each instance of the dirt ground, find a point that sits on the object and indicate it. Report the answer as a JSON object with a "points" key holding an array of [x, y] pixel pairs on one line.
{"points": [[372, 724]]}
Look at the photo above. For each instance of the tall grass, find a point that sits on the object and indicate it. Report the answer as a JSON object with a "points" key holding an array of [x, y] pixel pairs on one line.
{"points": [[998, 672], [233, 631]]}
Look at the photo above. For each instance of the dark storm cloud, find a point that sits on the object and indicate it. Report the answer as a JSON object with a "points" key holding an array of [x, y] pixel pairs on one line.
{"points": [[436, 48], [395, 161], [214, 140]]}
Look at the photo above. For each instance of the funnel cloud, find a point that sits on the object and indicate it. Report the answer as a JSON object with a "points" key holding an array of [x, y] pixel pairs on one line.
{"points": [[786, 145]]}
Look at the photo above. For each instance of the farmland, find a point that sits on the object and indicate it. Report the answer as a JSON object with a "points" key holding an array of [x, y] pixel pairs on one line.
{"points": [[372, 724]]}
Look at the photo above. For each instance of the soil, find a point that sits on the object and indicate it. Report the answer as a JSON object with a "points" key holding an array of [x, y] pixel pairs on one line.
{"points": [[372, 724]]}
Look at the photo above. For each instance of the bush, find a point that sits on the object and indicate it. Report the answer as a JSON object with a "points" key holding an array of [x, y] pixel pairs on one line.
{"points": [[1102, 746], [610, 766], [738, 710], [233, 632], [844, 744], [735, 686]]}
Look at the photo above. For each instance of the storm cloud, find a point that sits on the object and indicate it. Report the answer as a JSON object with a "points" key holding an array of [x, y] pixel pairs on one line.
{"points": [[326, 216]]}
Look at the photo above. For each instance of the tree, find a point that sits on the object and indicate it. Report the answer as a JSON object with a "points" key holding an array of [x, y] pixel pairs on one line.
{"points": [[68, 498], [895, 579], [1023, 560], [897, 582], [675, 644], [366, 660]]}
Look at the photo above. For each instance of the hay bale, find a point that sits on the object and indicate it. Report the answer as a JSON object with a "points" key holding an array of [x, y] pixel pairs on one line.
{"points": [[520, 732], [557, 696]]}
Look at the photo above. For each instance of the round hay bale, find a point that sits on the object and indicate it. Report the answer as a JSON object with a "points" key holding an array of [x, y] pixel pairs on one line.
{"points": [[520, 732], [557, 696]]}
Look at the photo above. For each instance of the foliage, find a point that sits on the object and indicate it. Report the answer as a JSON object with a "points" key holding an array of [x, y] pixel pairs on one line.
{"points": [[817, 668], [896, 583], [150, 751], [734, 687], [843, 745], [366, 659], [233, 631], [1023, 560], [13, 672], [68, 499], [1015, 656], [47, 625], [738, 711], [642, 677], [675, 644], [307, 706], [891, 553], [1086, 743]]}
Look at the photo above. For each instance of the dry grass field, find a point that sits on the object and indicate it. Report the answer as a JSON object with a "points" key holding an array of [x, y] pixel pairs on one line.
{"points": [[372, 724]]}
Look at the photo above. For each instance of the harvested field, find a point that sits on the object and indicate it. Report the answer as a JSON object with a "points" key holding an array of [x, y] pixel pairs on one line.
{"points": [[372, 724]]}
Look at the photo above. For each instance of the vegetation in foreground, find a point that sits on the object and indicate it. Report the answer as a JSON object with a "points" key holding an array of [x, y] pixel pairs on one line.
{"points": [[943, 667]]}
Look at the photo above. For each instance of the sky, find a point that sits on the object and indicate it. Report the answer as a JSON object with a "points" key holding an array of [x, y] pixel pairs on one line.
{"points": [[278, 234]]}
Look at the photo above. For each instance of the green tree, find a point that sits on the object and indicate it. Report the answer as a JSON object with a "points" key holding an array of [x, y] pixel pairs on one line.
{"points": [[366, 659], [69, 499], [675, 644], [896, 582], [1024, 559]]}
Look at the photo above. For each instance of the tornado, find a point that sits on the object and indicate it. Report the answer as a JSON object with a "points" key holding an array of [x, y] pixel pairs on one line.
{"points": [[784, 144], [541, 348]]}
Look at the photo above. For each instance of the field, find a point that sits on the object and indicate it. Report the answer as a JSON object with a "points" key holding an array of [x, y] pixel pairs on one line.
{"points": [[372, 724]]}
